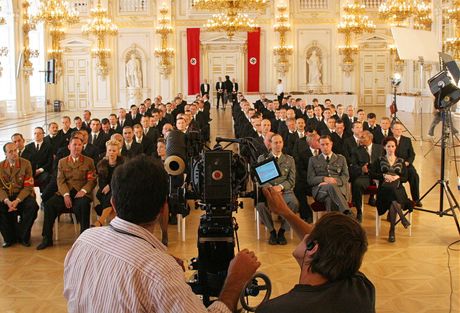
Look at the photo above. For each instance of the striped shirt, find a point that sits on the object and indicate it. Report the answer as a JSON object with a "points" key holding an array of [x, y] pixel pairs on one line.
{"points": [[110, 271]]}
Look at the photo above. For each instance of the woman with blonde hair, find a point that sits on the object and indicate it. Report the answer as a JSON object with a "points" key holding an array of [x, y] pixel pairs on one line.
{"points": [[105, 169]]}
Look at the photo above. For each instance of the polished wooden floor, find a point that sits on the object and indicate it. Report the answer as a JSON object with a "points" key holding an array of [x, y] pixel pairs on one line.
{"points": [[410, 275]]}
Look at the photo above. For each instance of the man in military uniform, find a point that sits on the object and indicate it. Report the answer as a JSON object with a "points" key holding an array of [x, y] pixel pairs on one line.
{"points": [[75, 180], [18, 208], [284, 184], [328, 176]]}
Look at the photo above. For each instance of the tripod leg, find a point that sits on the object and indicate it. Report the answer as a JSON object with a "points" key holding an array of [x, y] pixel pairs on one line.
{"points": [[451, 199], [407, 129], [426, 193]]}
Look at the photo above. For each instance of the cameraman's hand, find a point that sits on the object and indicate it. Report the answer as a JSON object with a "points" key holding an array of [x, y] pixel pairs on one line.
{"points": [[240, 271], [275, 201]]}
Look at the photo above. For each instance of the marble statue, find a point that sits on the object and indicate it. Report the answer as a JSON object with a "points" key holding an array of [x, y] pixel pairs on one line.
{"points": [[133, 72], [314, 69]]}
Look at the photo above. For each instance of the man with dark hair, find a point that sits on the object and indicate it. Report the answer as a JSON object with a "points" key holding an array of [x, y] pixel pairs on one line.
{"points": [[128, 256], [328, 176], [40, 155], [97, 137], [130, 147], [64, 133], [329, 256], [18, 140], [76, 178], [18, 208], [51, 138]]}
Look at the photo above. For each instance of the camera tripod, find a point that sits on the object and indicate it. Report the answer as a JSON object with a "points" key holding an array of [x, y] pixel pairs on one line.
{"points": [[442, 182], [394, 111]]}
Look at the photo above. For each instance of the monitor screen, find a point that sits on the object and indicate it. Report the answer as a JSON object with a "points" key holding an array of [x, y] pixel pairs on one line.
{"points": [[267, 171]]}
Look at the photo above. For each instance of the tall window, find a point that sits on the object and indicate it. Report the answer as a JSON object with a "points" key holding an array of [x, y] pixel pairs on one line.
{"points": [[8, 78]]}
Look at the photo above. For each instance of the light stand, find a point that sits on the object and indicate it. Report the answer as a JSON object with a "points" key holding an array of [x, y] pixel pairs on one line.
{"points": [[395, 81], [446, 95]]}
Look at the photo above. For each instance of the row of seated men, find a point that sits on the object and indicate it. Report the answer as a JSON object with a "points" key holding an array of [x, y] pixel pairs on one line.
{"points": [[357, 138], [63, 163]]}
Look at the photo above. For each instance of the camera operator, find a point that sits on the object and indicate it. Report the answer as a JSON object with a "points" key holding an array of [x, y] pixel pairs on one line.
{"points": [[125, 268], [329, 257]]}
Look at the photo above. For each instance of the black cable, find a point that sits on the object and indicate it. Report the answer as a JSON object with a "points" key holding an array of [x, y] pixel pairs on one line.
{"points": [[449, 247], [235, 228]]}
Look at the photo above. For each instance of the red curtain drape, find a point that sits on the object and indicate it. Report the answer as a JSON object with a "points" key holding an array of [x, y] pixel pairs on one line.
{"points": [[253, 60], [193, 57]]}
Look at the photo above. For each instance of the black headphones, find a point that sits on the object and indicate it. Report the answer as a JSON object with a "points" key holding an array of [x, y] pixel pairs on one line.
{"points": [[310, 245]]}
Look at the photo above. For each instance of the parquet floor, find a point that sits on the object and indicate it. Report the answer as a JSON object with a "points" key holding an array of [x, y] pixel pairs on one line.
{"points": [[410, 276]]}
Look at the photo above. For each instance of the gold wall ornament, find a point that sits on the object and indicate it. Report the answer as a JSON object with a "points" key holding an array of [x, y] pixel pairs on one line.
{"points": [[100, 26], [282, 26], [232, 17], [353, 22], [164, 29], [27, 26], [398, 64], [452, 44], [399, 12], [56, 14]]}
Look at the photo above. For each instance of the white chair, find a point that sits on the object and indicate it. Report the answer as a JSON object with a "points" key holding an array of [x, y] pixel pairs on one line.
{"points": [[258, 227], [73, 217], [378, 222]]}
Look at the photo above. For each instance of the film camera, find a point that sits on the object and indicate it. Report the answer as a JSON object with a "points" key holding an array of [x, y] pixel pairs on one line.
{"points": [[214, 177]]}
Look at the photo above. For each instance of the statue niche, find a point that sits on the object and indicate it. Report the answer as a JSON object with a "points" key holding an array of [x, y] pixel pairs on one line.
{"points": [[314, 67], [133, 68]]}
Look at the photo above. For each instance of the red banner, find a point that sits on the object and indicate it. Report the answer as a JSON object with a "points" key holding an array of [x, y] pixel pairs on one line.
{"points": [[253, 60], [193, 58]]}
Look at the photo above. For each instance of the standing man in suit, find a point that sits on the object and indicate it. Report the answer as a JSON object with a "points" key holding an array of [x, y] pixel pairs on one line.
{"points": [[361, 159], [204, 88], [234, 91], [76, 179], [87, 119], [130, 147], [328, 176], [284, 184], [64, 133], [220, 91], [18, 208], [405, 150], [41, 158], [228, 90]]}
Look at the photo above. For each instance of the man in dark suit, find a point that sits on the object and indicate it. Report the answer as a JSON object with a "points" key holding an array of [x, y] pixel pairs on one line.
{"points": [[371, 123], [90, 150], [305, 149], [18, 140], [52, 137], [405, 150], [220, 92], [150, 132], [328, 176], [97, 137], [87, 119], [361, 159], [64, 133], [105, 128], [228, 91], [338, 138], [148, 146], [130, 147], [314, 122], [123, 120], [352, 143], [133, 117], [234, 91], [204, 88], [383, 130], [284, 184], [79, 124], [76, 180], [40, 155]]}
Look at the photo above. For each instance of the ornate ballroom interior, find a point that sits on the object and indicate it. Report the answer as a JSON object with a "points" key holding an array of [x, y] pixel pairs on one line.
{"points": [[114, 53], [350, 43]]}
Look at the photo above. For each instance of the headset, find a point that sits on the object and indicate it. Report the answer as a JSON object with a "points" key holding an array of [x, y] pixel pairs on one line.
{"points": [[310, 245]]}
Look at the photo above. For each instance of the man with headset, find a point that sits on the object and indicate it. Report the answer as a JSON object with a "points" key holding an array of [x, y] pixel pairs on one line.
{"points": [[125, 268], [329, 256]]}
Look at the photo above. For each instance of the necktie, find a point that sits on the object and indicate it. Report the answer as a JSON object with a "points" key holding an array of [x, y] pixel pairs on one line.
{"points": [[146, 131], [94, 138], [327, 159], [385, 133], [276, 159], [38, 147]]}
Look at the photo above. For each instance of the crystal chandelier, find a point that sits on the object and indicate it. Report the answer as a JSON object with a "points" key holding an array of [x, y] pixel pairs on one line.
{"points": [[100, 26], [353, 22], [165, 54], [453, 43], [231, 19], [397, 12], [282, 26], [56, 14]]}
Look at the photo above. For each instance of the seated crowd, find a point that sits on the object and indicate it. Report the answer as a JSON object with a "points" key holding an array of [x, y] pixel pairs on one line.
{"points": [[320, 149]]}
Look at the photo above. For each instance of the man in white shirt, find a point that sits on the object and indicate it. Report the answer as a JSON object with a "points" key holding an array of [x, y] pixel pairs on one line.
{"points": [[280, 91], [131, 263]]}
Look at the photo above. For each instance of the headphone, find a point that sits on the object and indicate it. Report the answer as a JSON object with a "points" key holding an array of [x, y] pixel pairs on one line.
{"points": [[310, 245]]}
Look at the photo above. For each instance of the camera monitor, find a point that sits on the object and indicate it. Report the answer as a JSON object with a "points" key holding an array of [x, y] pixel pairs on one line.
{"points": [[267, 170]]}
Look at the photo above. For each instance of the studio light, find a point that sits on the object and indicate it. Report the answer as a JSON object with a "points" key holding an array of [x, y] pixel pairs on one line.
{"points": [[396, 79]]}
